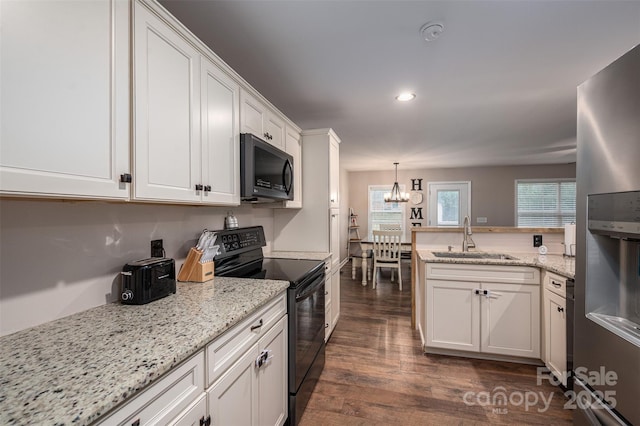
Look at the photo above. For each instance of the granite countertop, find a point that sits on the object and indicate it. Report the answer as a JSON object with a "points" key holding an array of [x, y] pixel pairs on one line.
{"points": [[75, 369], [304, 255], [559, 264]]}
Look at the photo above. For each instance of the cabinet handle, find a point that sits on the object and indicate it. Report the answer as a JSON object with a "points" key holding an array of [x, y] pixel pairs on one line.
{"points": [[207, 188], [202, 421], [126, 178], [556, 284], [477, 291], [254, 327], [326, 325], [207, 422], [136, 423], [560, 309], [199, 187]]}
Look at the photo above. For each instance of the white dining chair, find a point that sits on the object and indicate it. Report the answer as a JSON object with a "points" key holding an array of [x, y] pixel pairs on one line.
{"points": [[392, 227], [386, 253]]}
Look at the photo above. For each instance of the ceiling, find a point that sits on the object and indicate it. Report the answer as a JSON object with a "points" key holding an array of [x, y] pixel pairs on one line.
{"points": [[498, 87]]}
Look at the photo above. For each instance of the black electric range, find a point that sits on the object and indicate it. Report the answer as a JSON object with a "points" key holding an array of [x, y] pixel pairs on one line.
{"points": [[241, 256]]}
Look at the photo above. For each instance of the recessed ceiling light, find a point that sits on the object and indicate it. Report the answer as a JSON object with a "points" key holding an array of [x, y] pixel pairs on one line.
{"points": [[403, 97]]}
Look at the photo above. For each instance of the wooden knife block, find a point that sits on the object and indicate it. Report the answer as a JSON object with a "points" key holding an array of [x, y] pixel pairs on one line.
{"points": [[194, 271]]}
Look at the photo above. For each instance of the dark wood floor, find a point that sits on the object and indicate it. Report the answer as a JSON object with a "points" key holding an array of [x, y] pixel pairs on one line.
{"points": [[376, 373]]}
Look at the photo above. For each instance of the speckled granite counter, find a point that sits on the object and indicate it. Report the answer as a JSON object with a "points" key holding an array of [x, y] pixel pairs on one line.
{"points": [[72, 370], [305, 255], [559, 264]]}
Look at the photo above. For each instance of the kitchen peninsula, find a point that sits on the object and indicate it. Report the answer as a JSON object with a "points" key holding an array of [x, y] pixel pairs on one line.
{"points": [[463, 300]]}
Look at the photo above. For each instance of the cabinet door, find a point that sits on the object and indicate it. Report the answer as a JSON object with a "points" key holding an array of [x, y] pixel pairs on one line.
{"points": [[327, 304], [510, 318], [273, 393], [167, 112], [335, 298], [453, 313], [195, 415], [293, 146], [64, 111], [334, 239], [220, 136], [334, 173], [274, 129], [233, 399], [556, 335], [251, 115]]}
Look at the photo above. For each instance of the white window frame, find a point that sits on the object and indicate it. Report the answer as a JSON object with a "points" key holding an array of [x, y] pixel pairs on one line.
{"points": [[547, 180], [462, 186], [386, 189]]}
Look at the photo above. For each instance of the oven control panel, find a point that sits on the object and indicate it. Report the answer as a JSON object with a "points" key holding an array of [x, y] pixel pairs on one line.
{"points": [[232, 241]]}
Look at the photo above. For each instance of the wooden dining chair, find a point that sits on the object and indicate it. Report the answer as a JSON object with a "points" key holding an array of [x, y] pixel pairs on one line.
{"points": [[386, 253]]}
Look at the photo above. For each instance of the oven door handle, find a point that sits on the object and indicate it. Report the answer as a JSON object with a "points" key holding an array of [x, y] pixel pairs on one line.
{"points": [[309, 292]]}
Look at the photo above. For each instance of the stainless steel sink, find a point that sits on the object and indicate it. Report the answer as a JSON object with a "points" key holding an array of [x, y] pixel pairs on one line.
{"points": [[472, 255]]}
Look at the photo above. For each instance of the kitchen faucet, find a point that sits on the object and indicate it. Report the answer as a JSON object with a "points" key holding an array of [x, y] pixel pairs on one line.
{"points": [[467, 241]]}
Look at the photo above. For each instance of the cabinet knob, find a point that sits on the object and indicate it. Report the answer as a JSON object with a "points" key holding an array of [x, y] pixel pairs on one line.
{"points": [[125, 178], [199, 187], [560, 309]]}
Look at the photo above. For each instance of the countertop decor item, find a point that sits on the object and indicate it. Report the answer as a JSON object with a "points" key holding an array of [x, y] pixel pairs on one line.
{"points": [[395, 196]]}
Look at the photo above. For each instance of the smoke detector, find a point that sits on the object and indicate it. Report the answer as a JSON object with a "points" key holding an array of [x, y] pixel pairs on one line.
{"points": [[431, 30]]}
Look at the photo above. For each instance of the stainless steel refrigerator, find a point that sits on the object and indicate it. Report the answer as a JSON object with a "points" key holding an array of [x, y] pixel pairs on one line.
{"points": [[607, 288]]}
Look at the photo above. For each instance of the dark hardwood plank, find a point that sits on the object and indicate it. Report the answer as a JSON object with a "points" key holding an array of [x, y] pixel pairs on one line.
{"points": [[377, 374]]}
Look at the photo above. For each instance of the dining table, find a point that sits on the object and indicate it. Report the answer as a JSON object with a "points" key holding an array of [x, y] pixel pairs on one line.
{"points": [[366, 249]]}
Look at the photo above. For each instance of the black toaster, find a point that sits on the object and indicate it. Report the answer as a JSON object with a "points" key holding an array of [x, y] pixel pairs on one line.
{"points": [[146, 280]]}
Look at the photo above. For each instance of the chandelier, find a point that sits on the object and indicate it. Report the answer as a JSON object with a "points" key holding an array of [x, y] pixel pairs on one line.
{"points": [[395, 196]]}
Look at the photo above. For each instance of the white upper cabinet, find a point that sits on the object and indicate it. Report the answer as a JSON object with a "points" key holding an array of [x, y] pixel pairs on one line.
{"points": [[167, 104], [64, 120], [334, 171], [293, 147], [186, 146], [220, 136], [256, 118]]}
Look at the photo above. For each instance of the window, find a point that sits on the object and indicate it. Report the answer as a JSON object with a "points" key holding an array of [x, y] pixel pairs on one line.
{"points": [[449, 203], [547, 203], [384, 213]]}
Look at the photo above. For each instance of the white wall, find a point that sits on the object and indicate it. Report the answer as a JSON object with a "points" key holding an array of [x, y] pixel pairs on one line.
{"points": [[58, 257]]}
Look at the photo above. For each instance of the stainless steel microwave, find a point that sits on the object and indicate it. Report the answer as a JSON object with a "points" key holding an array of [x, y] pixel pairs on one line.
{"points": [[266, 172]]}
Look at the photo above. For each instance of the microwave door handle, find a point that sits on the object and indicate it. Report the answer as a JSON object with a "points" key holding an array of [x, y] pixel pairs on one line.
{"points": [[287, 165]]}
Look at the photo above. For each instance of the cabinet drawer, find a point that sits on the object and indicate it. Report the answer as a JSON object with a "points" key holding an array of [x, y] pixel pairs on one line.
{"points": [[556, 284], [229, 347], [483, 273], [165, 399]]}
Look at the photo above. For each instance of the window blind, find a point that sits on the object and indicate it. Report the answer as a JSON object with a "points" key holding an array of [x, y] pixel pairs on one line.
{"points": [[545, 203]]}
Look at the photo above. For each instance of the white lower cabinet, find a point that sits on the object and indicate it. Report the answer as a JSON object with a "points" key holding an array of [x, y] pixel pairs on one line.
{"points": [[335, 297], [246, 374], [497, 313], [171, 398], [251, 391], [555, 326], [195, 415]]}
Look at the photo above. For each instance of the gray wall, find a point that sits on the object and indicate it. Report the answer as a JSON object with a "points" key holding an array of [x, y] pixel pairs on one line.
{"points": [[58, 258], [492, 188]]}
